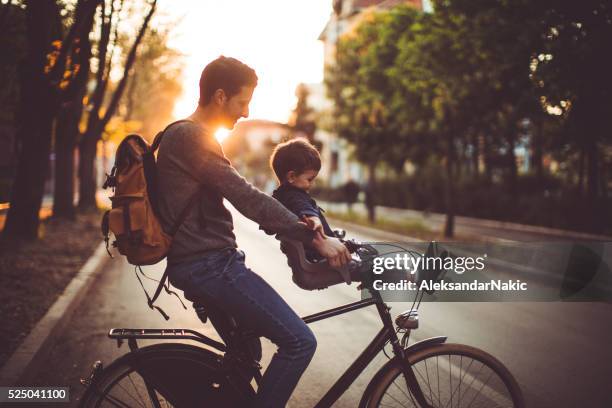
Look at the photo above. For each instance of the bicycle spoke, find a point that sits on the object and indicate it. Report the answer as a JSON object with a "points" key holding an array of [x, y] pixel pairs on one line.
{"points": [[409, 395], [474, 378], [460, 381], [450, 378], [385, 405], [152, 395], [428, 382], [400, 388], [134, 385], [480, 390], [395, 399], [463, 386], [466, 372], [113, 401], [431, 397], [438, 375], [130, 395]]}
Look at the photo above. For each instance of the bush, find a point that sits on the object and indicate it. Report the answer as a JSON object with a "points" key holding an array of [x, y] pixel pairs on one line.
{"points": [[537, 202]]}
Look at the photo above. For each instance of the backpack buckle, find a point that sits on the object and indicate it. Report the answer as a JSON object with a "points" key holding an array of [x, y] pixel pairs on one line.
{"points": [[111, 179]]}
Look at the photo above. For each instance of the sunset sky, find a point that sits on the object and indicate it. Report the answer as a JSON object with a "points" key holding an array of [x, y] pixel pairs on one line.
{"points": [[278, 38]]}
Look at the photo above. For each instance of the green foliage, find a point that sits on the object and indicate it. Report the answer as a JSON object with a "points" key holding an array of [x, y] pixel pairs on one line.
{"points": [[471, 82], [13, 50], [302, 120], [155, 83]]}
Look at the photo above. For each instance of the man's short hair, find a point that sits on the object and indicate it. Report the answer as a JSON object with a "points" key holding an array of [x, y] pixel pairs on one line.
{"points": [[296, 155], [225, 73]]}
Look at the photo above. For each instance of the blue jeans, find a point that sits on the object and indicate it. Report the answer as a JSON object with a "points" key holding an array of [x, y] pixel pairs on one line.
{"points": [[223, 278]]}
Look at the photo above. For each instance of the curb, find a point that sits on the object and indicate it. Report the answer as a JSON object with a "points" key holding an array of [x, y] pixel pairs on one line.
{"points": [[23, 362]]}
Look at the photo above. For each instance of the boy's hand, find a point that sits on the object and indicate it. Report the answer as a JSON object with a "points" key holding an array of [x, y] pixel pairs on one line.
{"points": [[314, 223], [332, 249]]}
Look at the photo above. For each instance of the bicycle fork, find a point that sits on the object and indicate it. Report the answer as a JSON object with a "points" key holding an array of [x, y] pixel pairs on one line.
{"points": [[411, 381]]}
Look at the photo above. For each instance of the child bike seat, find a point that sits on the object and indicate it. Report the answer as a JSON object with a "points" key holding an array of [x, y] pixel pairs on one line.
{"points": [[316, 275]]}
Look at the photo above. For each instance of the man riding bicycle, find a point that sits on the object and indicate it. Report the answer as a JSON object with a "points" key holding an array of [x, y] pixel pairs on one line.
{"points": [[204, 260]]}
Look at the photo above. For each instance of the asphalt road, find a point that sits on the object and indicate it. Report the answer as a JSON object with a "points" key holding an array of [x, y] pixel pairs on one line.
{"points": [[561, 353]]}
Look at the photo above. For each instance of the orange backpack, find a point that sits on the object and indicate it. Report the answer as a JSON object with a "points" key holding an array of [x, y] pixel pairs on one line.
{"points": [[134, 217]]}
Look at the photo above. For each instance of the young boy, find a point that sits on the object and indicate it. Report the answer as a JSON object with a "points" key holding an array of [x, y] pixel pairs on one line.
{"points": [[296, 164]]}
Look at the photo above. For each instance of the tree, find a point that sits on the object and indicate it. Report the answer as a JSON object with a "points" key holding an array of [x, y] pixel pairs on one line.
{"points": [[302, 121], [573, 75], [154, 84], [475, 80], [46, 75], [67, 129], [361, 86], [13, 50], [99, 118]]}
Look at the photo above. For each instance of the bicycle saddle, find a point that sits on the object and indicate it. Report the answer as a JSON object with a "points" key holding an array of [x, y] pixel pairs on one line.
{"points": [[316, 275]]}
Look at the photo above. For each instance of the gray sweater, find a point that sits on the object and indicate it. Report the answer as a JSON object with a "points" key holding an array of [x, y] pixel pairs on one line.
{"points": [[190, 157]]}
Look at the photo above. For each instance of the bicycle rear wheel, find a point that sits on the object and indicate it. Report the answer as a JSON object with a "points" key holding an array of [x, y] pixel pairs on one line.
{"points": [[166, 375], [450, 375]]}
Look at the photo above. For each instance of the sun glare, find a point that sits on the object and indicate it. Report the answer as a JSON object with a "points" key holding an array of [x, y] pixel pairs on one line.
{"points": [[221, 134], [281, 61]]}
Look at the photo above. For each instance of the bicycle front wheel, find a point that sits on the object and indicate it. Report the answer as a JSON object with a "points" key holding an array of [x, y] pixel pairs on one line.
{"points": [[166, 375], [449, 375]]}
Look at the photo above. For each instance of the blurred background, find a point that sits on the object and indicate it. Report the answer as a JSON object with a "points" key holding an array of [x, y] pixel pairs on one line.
{"points": [[486, 109]]}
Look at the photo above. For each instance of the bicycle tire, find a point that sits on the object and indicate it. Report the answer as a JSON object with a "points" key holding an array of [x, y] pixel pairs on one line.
{"points": [[381, 392], [181, 375]]}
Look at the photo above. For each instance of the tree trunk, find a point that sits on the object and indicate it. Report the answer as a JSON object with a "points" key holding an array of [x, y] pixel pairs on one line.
{"points": [[581, 171], [592, 170], [475, 155], [87, 172], [370, 192], [97, 124], [35, 126], [67, 132], [487, 160], [511, 160], [537, 151], [449, 226]]}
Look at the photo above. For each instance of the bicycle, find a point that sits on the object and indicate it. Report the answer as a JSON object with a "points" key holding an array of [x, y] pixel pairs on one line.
{"points": [[429, 373]]}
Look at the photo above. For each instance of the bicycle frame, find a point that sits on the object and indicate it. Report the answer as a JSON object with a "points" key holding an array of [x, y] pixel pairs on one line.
{"points": [[386, 334]]}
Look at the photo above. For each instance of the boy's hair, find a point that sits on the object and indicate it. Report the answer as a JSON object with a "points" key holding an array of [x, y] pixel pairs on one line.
{"points": [[225, 73], [296, 155]]}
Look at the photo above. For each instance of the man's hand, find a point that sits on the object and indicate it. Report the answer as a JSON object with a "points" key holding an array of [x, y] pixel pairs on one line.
{"points": [[332, 249]]}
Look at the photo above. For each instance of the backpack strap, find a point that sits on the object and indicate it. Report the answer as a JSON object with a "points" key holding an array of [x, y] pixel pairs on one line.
{"points": [[177, 225], [105, 230], [150, 168], [158, 138], [162, 284]]}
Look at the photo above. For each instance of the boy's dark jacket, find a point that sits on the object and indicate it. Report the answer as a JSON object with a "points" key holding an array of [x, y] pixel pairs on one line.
{"points": [[301, 204]]}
